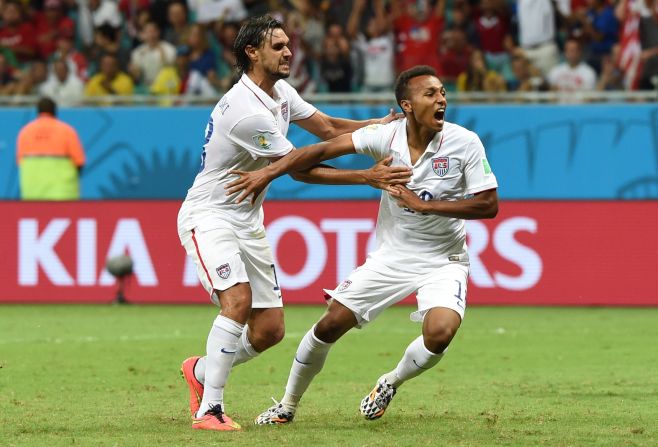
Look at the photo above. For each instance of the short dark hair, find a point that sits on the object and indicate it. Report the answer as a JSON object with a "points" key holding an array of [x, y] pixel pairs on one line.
{"points": [[47, 105], [252, 33], [401, 90]]}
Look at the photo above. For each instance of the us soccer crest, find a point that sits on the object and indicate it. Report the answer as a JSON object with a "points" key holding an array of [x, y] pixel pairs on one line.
{"points": [[440, 165], [344, 285], [224, 271], [284, 110]]}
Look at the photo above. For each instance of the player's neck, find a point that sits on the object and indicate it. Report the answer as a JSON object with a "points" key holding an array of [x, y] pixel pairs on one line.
{"points": [[263, 81], [418, 137]]}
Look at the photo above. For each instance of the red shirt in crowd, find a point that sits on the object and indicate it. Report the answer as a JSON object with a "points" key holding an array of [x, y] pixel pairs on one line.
{"points": [[20, 40], [491, 32], [47, 33], [417, 43]]}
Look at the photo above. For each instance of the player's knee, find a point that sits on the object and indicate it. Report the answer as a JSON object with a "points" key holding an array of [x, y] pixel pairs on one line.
{"points": [[438, 338], [265, 338]]}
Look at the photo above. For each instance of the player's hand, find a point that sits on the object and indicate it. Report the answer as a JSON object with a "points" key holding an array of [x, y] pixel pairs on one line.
{"points": [[382, 174], [249, 183], [405, 198], [392, 116]]}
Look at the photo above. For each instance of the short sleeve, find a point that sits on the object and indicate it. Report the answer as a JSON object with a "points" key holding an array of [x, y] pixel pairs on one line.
{"points": [[260, 136], [477, 172], [299, 109], [372, 140]]}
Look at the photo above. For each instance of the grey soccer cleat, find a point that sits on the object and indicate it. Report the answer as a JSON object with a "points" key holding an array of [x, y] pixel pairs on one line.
{"points": [[375, 403], [275, 415]]}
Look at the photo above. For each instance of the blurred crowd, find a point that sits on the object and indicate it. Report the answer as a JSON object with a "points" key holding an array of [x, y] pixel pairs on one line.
{"points": [[68, 49]]}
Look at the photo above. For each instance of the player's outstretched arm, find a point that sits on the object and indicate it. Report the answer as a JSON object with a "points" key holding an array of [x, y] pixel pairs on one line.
{"points": [[327, 127], [483, 205], [380, 175], [255, 182]]}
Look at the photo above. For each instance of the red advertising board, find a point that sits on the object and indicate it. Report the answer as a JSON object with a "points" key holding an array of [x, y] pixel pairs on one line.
{"points": [[534, 253]]}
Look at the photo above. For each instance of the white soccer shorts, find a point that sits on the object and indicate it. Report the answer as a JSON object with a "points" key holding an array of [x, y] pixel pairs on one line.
{"points": [[375, 286], [223, 260]]}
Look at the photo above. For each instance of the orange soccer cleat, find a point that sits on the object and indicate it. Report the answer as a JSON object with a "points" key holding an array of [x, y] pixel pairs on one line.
{"points": [[215, 419], [196, 387]]}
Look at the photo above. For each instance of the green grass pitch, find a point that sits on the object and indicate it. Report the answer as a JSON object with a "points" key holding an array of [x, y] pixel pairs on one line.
{"points": [[109, 375]]}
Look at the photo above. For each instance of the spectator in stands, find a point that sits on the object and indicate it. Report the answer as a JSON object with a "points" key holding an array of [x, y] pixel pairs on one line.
{"points": [[612, 77], [76, 60], [110, 80], [493, 37], [133, 12], [50, 25], [527, 78], [50, 157], [224, 35], [455, 55], [305, 61], [600, 31], [649, 42], [537, 37], [335, 65], [180, 80], [8, 81], [478, 78], [63, 85], [151, 56], [93, 14], [461, 16], [107, 41], [208, 11], [178, 26], [336, 70], [31, 78], [17, 34], [201, 57], [375, 45], [309, 25], [573, 75], [418, 29]]}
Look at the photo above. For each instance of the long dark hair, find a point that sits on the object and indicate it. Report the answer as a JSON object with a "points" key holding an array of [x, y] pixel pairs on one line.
{"points": [[252, 33]]}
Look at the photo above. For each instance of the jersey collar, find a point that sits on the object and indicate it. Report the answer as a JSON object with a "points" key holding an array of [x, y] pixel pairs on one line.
{"points": [[269, 103], [399, 142]]}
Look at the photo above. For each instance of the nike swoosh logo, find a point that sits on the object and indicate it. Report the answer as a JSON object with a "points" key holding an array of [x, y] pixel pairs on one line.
{"points": [[228, 352], [299, 361], [419, 365]]}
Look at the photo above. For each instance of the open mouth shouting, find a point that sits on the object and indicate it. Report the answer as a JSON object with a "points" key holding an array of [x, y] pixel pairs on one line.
{"points": [[439, 115]]}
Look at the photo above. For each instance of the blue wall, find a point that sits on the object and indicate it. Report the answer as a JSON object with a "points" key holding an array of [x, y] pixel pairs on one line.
{"points": [[604, 151]]}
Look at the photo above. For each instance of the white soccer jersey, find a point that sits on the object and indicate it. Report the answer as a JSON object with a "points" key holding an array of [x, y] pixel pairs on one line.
{"points": [[453, 165], [246, 127]]}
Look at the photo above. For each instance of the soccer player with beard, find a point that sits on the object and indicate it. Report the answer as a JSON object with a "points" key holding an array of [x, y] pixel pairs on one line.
{"points": [[421, 237], [247, 131]]}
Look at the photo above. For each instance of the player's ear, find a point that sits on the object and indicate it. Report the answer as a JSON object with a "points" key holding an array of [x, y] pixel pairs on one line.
{"points": [[405, 104], [251, 53]]}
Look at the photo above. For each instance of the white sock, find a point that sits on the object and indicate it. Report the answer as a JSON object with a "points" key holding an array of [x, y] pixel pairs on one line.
{"points": [[416, 360], [221, 348], [309, 359], [245, 353]]}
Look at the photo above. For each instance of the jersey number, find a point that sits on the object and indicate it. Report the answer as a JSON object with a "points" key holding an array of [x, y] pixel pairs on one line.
{"points": [[209, 129], [425, 196]]}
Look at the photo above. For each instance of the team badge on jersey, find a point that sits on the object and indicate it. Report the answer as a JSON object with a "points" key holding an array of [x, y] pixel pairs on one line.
{"points": [[344, 285], [284, 110], [440, 165], [224, 271], [261, 141]]}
